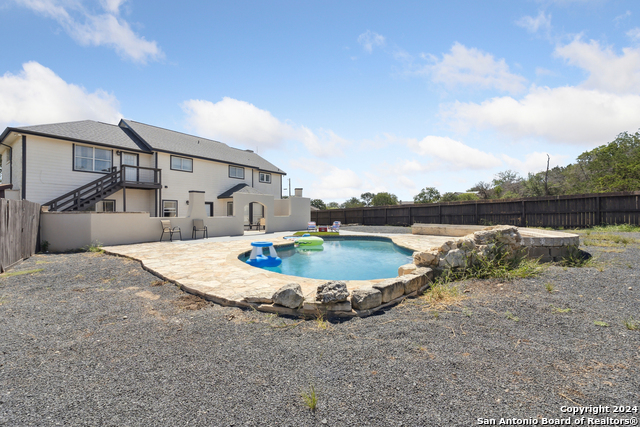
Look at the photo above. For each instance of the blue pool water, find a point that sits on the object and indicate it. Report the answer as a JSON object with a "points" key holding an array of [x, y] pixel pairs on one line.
{"points": [[343, 259]]}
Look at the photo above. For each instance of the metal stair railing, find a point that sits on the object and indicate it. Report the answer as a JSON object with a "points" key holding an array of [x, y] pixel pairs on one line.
{"points": [[76, 199]]}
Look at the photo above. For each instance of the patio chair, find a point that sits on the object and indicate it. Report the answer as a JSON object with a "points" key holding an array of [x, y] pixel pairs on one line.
{"points": [[311, 226], [166, 228], [198, 225], [336, 226], [262, 223]]}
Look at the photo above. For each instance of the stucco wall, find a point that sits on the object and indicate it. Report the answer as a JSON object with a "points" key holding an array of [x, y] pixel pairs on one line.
{"points": [[72, 230]]}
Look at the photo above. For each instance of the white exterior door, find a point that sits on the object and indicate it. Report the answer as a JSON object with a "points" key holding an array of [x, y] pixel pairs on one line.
{"points": [[131, 174]]}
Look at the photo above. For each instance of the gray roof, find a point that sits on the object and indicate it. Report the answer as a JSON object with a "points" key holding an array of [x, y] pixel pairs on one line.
{"points": [[87, 131], [180, 143], [240, 188]]}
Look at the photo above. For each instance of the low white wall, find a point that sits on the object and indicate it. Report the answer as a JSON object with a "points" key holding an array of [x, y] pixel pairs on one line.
{"points": [[72, 230]]}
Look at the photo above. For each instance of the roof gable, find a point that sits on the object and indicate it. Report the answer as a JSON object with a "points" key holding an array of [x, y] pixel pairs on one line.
{"points": [[160, 139]]}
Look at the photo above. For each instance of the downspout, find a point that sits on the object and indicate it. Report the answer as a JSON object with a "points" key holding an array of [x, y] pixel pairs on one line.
{"points": [[10, 162]]}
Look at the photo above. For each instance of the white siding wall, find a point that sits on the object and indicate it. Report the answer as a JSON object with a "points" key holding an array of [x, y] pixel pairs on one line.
{"points": [[50, 172], [210, 177]]}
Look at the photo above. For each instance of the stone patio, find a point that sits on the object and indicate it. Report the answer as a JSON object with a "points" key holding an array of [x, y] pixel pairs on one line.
{"points": [[211, 269]]}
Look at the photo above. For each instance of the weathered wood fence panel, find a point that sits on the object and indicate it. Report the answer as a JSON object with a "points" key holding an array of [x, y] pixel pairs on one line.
{"points": [[574, 211], [19, 221]]}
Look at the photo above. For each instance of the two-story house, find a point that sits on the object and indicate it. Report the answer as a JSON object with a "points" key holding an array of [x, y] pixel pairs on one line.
{"points": [[132, 166]]}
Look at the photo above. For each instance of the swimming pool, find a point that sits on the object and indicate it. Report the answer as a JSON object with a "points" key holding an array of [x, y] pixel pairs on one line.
{"points": [[343, 259]]}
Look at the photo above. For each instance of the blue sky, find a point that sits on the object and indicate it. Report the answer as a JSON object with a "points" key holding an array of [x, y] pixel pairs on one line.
{"points": [[347, 97]]}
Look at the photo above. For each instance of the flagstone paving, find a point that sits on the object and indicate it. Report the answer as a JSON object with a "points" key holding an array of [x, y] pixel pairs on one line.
{"points": [[211, 268]]}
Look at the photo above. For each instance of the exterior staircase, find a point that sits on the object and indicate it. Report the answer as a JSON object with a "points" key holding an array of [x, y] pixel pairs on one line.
{"points": [[86, 196]]}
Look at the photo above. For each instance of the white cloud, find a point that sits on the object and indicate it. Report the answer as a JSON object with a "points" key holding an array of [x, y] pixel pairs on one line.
{"points": [[532, 25], [619, 18], [534, 162], [236, 121], [242, 123], [607, 71], [369, 39], [37, 95], [453, 153], [98, 30], [472, 67], [565, 114], [330, 182], [634, 34], [112, 6], [544, 72]]}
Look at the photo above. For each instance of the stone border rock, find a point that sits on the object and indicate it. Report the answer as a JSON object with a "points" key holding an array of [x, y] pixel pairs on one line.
{"points": [[548, 245], [332, 299]]}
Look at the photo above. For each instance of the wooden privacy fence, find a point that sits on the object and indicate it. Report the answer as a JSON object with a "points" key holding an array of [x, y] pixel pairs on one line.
{"points": [[19, 220], [575, 211]]}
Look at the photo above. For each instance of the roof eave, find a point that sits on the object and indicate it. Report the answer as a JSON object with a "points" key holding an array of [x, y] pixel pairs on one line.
{"points": [[66, 138]]}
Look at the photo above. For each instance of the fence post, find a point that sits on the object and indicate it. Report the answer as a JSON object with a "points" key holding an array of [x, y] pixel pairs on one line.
{"points": [[523, 217], [598, 217], [439, 214], [476, 213]]}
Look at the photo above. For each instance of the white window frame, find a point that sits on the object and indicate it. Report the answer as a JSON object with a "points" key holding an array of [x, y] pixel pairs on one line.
{"points": [[229, 208], [93, 159], [167, 209], [235, 170], [184, 166], [265, 177]]}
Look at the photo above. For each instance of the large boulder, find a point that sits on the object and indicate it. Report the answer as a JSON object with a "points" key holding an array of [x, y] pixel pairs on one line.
{"points": [[407, 269], [503, 235], [390, 288], [366, 298], [454, 259], [289, 296], [413, 282], [426, 259], [332, 292]]}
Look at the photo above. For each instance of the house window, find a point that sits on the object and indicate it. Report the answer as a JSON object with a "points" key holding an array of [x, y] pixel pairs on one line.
{"points": [[236, 172], [104, 206], [265, 177], [208, 208], [170, 208], [92, 159], [181, 164], [229, 208]]}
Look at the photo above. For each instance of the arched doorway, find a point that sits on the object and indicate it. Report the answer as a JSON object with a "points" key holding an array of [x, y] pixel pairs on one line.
{"points": [[255, 217]]}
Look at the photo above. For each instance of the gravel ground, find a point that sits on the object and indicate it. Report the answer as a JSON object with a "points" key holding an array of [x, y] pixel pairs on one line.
{"points": [[93, 339]]}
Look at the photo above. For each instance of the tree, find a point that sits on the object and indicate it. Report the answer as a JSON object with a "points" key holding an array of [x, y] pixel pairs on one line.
{"points": [[463, 197], [427, 195], [333, 205], [508, 184], [318, 203], [353, 203], [384, 199], [458, 197], [615, 166], [449, 197], [366, 198], [483, 189]]}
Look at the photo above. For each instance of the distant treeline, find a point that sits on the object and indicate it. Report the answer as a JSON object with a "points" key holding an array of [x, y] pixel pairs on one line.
{"points": [[609, 168]]}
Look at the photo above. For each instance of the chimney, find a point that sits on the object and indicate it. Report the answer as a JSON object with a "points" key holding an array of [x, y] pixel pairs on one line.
{"points": [[298, 192]]}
